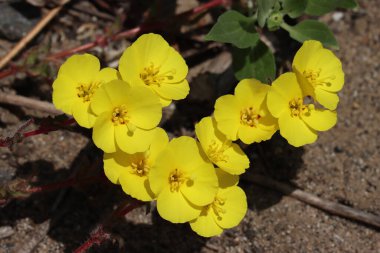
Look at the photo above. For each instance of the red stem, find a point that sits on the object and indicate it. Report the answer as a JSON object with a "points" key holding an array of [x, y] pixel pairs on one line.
{"points": [[64, 184], [47, 129]]}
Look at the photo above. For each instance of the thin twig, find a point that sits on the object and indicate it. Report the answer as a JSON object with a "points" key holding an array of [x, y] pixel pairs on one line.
{"points": [[38, 27], [29, 103], [308, 198]]}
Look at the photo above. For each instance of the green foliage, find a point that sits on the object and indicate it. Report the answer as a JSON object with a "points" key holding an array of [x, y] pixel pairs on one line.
{"points": [[320, 7], [312, 29], [294, 8], [264, 10], [254, 62], [235, 28]]}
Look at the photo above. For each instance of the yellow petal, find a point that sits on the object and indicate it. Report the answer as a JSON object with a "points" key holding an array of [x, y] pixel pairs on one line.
{"points": [[83, 115], [205, 132], [159, 142], [249, 135], [109, 95], [144, 107], [173, 206], [234, 207], [295, 131], [205, 225], [114, 164], [305, 54], [201, 187], [320, 120], [251, 92], [81, 68], [103, 133], [176, 65], [226, 179], [159, 174], [328, 99], [236, 162], [136, 186], [227, 115], [138, 141], [64, 94], [172, 91], [106, 75]]}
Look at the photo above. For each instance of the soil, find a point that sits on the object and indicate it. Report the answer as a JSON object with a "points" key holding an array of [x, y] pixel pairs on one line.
{"points": [[342, 166]]}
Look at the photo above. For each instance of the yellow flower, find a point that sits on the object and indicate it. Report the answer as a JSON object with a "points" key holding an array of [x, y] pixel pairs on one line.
{"points": [[126, 117], [319, 73], [226, 211], [298, 121], [245, 115], [226, 155], [151, 62], [78, 79], [131, 171], [182, 180]]}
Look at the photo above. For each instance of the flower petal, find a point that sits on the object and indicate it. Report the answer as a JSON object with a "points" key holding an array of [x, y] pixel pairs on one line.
{"points": [[114, 164], [103, 133], [305, 54], [295, 131], [132, 142], [159, 142], [64, 94], [144, 107], [173, 206], [236, 162], [83, 115], [226, 179], [173, 91], [328, 99], [227, 115], [106, 75], [251, 92], [136, 186], [81, 68], [320, 120], [202, 186], [249, 135], [235, 207], [205, 225]]}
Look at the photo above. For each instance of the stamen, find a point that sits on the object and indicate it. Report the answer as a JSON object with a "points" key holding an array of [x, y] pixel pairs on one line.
{"points": [[176, 179], [313, 77], [86, 91], [151, 75], [120, 115], [216, 152], [297, 108], [249, 117], [140, 168], [217, 206]]}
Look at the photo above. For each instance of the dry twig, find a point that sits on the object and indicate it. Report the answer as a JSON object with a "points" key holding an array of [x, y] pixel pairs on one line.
{"points": [[29, 103], [308, 198], [39, 26]]}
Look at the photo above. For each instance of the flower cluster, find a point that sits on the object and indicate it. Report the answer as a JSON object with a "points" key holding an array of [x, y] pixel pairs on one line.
{"points": [[192, 180], [299, 103]]}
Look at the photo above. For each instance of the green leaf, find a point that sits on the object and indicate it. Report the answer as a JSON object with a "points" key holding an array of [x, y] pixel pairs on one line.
{"points": [[235, 28], [264, 10], [294, 8], [312, 30], [320, 7], [254, 62]]}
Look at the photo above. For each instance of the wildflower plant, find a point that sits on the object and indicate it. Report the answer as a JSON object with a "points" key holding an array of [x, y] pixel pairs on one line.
{"points": [[195, 179]]}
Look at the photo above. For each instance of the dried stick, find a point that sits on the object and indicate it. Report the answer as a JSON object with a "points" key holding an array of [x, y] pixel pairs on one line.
{"points": [[39, 26], [326, 205], [29, 103]]}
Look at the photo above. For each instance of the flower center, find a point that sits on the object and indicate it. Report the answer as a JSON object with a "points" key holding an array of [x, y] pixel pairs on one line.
{"points": [[249, 117], [151, 75], [120, 115], [216, 152], [297, 108], [313, 77], [176, 179], [140, 168], [86, 91]]}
